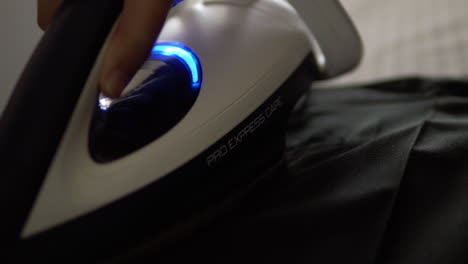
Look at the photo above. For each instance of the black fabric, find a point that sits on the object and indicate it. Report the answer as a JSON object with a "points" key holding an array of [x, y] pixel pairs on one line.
{"points": [[375, 174]]}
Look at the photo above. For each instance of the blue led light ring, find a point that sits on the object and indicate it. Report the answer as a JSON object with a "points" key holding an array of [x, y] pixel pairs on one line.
{"points": [[182, 54], [170, 50], [176, 2]]}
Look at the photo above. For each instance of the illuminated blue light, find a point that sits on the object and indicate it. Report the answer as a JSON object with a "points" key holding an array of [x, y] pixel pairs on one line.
{"points": [[183, 54], [176, 2]]}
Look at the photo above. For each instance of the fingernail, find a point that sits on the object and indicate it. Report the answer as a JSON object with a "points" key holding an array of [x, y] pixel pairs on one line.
{"points": [[115, 83]]}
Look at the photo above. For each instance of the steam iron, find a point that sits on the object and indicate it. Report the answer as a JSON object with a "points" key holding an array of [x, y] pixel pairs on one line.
{"points": [[201, 122]]}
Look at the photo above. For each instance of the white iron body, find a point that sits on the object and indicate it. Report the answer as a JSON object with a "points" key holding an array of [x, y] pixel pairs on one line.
{"points": [[247, 49], [257, 58]]}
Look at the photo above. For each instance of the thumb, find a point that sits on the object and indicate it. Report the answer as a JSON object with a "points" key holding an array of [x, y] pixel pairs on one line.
{"points": [[138, 27]]}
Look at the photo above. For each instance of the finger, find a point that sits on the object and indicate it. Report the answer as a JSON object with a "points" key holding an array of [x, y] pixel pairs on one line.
{"points": [[129, 46], [46, 10]]}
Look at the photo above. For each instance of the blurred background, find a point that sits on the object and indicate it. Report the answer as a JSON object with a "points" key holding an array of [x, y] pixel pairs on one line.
{"points": [[401, 38], [417, 37], [19, 35]]}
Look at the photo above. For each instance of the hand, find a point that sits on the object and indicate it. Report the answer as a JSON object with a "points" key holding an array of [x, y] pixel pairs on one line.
{"points": [[139, 25]]}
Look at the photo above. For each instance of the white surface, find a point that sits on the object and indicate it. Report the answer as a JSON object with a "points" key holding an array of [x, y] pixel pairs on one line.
{"points": [[411, 37], [235, 84], [19, 34]]}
